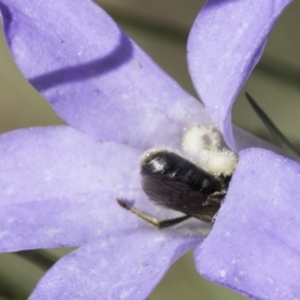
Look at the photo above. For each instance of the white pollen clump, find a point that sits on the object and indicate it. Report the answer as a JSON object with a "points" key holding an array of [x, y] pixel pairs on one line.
{"points": [[218, 162], [202, 145], [200, 137]]}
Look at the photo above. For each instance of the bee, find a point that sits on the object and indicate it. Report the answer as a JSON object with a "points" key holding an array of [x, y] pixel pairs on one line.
{"points": [[176, 183]]}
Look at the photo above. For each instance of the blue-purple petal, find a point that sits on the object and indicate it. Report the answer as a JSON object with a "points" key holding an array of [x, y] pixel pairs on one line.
{"points": [[254, 246], [59, 188], [94, 76], [225, 43], [124, 265]]}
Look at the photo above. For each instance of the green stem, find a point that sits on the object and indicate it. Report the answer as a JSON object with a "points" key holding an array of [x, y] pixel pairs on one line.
{"points": [[278, 136]]}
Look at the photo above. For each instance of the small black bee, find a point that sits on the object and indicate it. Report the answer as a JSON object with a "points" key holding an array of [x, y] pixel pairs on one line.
{"points": [[174, 182]]}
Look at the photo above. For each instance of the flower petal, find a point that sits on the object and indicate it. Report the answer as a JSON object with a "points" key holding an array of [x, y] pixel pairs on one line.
{"points": [[59, 188], [224, 45], [127, 265], [90, 70], [254, 246]]}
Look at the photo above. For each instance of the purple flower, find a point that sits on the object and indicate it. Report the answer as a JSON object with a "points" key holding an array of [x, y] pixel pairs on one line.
{"points": [[59, 184]]}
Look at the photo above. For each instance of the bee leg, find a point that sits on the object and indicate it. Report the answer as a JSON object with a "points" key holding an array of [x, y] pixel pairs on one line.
{"points": [[171, 222], [152, 220]]}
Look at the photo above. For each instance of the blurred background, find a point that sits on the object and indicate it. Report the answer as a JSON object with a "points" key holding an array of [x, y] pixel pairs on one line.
{"points": [[161, 28]]}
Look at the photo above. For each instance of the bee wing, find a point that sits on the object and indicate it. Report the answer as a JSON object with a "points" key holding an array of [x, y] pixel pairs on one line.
{"points": [[176, 193]]}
